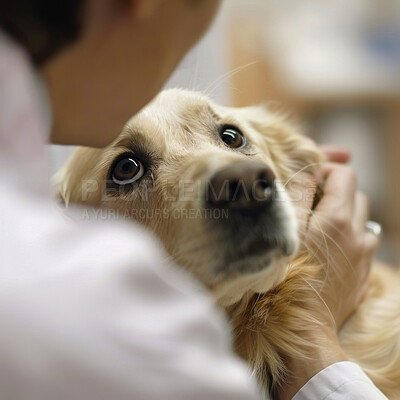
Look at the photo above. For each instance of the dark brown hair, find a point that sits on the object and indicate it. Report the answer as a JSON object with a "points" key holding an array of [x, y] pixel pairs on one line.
{"points": [[42, 27]]}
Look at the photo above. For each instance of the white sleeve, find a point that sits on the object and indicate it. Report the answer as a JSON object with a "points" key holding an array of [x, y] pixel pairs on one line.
{"points": [[94, 313], [124, 333], [341, 381]]}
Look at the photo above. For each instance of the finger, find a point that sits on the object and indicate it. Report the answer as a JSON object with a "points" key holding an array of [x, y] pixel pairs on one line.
{"points": [[361, 213], [371, 243], [335, 153], [339, 189]]}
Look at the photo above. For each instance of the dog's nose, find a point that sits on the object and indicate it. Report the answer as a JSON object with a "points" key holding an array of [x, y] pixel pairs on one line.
{"points": [[244, 185]]}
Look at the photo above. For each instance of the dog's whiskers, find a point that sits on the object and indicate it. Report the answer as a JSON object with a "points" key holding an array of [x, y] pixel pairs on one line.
{"points": [[328, 265], [300, 171], [323, 301], [195, 75], [331, 238], [216, 83]]}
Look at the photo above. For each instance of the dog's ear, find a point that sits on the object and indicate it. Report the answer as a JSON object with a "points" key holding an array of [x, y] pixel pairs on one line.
{"points": [[72, 183], [289, 149]]}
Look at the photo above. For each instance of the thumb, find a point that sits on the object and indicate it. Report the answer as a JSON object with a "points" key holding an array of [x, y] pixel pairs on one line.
{"points": [[335, 153]]}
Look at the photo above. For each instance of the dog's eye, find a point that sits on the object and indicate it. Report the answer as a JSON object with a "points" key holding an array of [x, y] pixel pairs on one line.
{"points": [[127, 170], [232, 137]]}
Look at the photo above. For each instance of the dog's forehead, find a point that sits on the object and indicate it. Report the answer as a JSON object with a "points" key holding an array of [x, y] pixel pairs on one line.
{"points": [[179, 101], [175, 114]]}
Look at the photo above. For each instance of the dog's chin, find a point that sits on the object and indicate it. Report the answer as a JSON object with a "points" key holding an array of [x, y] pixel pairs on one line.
{"points": [[259, 275], [259, 258], [255, 272], [259, 254]]}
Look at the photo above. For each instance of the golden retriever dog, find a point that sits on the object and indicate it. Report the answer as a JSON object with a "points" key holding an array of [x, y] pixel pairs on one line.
{"points": [[212, 184]]}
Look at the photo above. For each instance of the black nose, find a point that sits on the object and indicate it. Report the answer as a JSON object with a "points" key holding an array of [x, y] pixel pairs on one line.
{"points": [[244, 185]]}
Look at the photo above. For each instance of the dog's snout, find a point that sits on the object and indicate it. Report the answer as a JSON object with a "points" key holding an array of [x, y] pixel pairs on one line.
{"points": [[243, 185]]}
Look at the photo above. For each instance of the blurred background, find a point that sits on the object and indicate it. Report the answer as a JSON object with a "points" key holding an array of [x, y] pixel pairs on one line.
{"points": [[333, 64]]}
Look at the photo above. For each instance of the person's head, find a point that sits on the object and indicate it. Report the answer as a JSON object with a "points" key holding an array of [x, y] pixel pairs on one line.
{"points": [[103, 60]]}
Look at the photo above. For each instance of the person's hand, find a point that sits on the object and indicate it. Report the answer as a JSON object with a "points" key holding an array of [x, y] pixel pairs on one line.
{"points": [[334, 233], [337, 238], [337, 154], [342, 215]]}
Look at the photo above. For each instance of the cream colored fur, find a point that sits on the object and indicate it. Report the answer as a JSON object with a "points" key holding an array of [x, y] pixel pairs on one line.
{"points": [[271, 306]]}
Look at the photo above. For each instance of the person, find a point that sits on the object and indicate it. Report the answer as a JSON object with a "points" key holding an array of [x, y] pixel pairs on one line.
{"points": [[92, 310]]}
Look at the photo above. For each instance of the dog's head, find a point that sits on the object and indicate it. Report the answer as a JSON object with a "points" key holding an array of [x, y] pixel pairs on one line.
{"points": [[209, 181]]}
